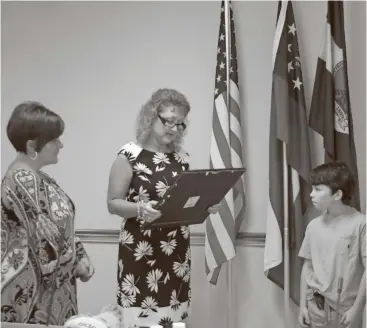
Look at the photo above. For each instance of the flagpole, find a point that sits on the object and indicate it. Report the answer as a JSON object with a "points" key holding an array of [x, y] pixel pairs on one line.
{"points": [[230, 312], [287, 310]]}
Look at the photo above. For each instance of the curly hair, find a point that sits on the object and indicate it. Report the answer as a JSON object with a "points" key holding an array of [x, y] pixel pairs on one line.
{"points": [[160, 99]]}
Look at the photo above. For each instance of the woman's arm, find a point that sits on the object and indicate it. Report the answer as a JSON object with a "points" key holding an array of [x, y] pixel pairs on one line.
{"points": [[84, 269], [118, 186]]}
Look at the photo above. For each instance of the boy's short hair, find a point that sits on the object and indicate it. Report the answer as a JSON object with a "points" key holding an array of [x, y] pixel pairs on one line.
{"points": [[335, 175]]}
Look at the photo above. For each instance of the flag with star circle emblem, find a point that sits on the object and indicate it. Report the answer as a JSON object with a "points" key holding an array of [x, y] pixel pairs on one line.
{"points": [[331, 114]]}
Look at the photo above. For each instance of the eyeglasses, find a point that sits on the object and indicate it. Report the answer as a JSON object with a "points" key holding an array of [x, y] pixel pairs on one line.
{"points": [[171, 125]]}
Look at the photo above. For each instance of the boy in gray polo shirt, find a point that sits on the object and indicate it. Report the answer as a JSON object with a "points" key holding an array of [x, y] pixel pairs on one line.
{"points": [[334, 252]]}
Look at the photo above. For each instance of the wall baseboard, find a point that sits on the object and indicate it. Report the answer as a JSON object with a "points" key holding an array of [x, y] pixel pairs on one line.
{"points": [[104, 236]]}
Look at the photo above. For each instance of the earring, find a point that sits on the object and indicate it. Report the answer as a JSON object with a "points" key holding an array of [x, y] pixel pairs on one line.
{"points": [[33, 158]]}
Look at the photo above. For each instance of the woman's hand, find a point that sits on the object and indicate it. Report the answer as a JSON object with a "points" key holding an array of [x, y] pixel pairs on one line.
{"points": [[84, 270], [148, 213], [214, 209]]}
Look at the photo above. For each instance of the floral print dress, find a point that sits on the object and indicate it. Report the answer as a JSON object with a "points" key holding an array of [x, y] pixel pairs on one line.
{"points": [[153, 265], [35, 215]]}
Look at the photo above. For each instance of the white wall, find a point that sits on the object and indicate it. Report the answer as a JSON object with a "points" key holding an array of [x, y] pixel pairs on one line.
{"points": [[96, 63]]}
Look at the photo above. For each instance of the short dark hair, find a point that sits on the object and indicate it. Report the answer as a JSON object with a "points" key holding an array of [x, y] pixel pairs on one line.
{"points": [[31, 120], [337, 176]]}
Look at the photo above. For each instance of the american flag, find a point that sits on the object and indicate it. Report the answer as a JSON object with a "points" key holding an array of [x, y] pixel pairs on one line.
{"points": [[225, 152]]}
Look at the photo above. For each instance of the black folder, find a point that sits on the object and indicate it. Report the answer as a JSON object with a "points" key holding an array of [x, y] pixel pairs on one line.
{"points": [[187, 200]]}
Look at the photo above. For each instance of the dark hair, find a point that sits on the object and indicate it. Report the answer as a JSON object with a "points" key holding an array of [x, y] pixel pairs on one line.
{"points": [[32, 121], [335, 175]]}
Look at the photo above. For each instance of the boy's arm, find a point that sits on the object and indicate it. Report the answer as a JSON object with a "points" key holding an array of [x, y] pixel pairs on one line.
{"points": [[360, 301], [305, 253], [303, 284]]}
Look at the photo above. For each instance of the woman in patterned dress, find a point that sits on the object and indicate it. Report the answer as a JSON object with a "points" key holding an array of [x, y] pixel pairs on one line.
{"points": [[40, 255], [153, 265]]}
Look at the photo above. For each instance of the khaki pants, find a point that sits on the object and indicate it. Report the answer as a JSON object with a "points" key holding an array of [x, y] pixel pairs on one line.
{"points": [[327, 317]]}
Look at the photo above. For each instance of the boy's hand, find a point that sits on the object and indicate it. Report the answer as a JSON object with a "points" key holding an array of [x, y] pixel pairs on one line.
{"points": [[303, 317], [349, 317]]}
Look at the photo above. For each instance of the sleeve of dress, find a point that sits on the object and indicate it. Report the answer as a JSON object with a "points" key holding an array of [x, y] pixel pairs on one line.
{"points": [[24, 193], [81, 253], [131, 151], [14, 240]]}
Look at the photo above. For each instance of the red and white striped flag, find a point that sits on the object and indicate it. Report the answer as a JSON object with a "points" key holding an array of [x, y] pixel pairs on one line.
{"points": [[225, 152]]}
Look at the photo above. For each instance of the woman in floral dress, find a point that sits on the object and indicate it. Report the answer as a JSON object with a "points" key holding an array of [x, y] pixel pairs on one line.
{"points": [[40, 255], [153, 265]]}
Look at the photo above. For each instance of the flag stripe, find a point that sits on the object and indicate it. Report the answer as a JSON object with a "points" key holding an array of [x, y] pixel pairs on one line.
{"points": [[224, 228], [235, 104], [326, 54], [273, 254], [219, 232], [210, 261], [235, 126], [234, 91], [213, 275], [236, 150], [236, 192], [239, 191], [222, 112], [215, 162], [220, 139], [279, 29], [215, 246], [216, 159], [240, 204]]}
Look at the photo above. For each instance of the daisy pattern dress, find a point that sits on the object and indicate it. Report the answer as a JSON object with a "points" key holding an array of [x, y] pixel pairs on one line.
{"points": [[153, 265]]}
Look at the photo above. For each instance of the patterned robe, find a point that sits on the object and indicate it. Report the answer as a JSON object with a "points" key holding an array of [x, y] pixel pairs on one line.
{"points": [[153, 265], [35, 215]]}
